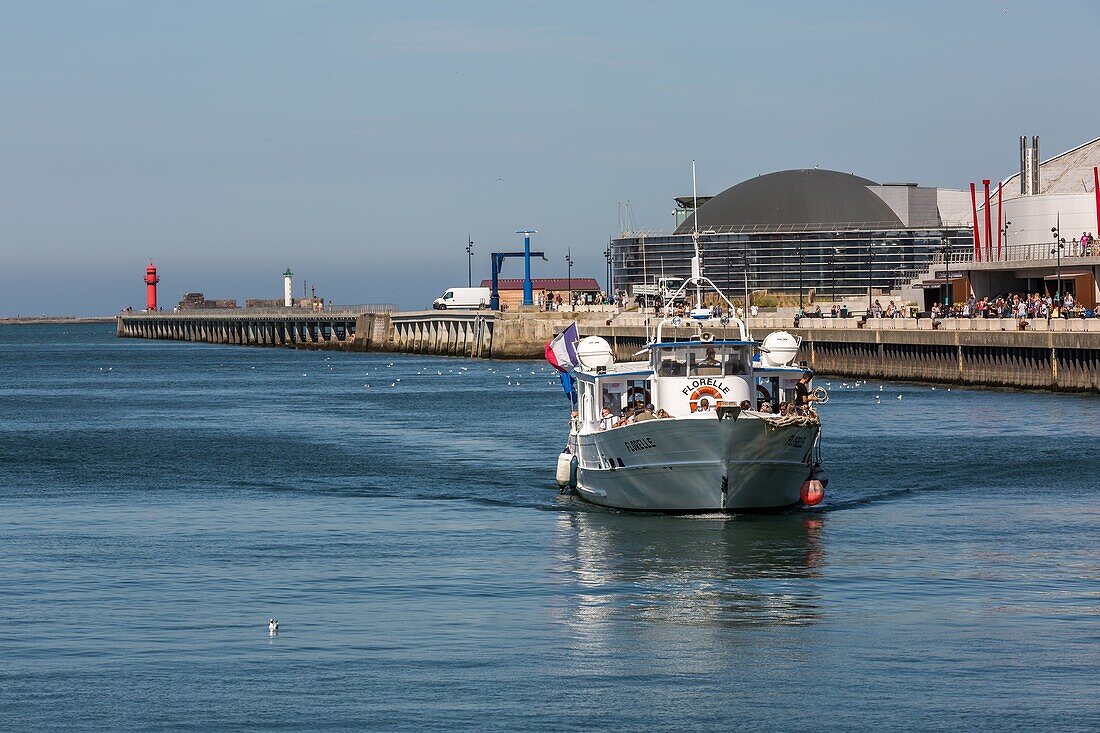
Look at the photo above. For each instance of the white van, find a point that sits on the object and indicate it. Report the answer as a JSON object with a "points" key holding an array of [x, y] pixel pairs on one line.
{"points": [[462, 298]]}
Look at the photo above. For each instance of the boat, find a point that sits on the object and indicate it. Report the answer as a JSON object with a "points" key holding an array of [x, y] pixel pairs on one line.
{"points": [[708, 444]]}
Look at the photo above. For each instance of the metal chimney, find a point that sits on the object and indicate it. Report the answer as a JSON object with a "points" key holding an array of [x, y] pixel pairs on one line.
{"points": [[1023, 165], [1035, 165]]}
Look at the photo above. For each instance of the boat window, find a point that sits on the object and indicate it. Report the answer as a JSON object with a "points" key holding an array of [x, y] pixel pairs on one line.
{"points": [[612, 394], [706, 361], [736, 361], [637, 392], [672, 362]]}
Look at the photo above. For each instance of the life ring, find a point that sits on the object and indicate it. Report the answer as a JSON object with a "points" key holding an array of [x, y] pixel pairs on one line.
{"points": [[705, 398], [706, 337]]}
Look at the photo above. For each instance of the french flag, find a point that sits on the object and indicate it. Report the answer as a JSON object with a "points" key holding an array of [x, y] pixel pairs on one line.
{"points": [[561, 351]]}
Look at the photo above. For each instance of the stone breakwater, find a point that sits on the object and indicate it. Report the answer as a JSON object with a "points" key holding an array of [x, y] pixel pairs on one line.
{"points": [[1054, 357]]}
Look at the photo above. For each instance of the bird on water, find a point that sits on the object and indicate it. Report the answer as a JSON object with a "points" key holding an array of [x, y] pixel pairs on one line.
{"points": [[273, 625]]}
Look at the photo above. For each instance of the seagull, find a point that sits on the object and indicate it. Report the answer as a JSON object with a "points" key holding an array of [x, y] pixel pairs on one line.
{"points": [[899, 397], [393, 384], [273, 625]]}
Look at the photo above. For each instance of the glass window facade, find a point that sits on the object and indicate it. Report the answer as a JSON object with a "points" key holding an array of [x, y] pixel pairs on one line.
{"points": [[832, 264]]}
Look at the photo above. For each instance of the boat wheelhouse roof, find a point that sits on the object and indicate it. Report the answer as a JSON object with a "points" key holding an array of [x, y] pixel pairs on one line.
{"points": [[697, 342], [620, 369]]}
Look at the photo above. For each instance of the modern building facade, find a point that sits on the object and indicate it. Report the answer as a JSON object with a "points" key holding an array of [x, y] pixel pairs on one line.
{"points": [[1030, 214], [825, 234]]}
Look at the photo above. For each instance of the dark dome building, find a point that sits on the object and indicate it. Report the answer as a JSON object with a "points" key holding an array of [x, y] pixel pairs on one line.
{"points": [[799, 197], [822, 233]]}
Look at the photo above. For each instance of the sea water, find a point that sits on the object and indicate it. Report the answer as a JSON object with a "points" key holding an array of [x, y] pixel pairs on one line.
{"points": [[160, 501]]}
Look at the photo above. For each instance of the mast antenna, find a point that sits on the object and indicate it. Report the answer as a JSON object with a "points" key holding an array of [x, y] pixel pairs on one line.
{"points": [[696, 261]]}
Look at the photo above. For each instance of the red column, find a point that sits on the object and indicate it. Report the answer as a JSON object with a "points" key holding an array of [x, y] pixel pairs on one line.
{"points": [[1096, 189], [989, 228], [977, 236], [1000, 222]]}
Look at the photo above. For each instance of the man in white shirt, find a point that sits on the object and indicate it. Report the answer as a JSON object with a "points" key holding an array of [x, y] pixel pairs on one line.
{"points": [[607, 420]]}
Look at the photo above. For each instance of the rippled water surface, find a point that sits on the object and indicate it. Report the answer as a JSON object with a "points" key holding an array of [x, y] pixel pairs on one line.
{"points": [[160, 500]]}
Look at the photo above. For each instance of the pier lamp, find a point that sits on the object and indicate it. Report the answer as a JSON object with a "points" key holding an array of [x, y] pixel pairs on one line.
{"points": [[1004, 233], [870, 273], [945, 252], [607, 258], [1059, 245], [745, 264], [569, 277], [834, 254], [470, 261], [801, 260]]}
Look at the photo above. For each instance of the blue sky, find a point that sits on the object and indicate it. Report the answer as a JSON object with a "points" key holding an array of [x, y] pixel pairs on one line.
{"points": [[360, 142]]}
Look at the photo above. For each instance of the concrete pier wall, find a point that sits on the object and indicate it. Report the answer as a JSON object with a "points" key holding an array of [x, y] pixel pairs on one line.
{"points": [[1049, 358]]}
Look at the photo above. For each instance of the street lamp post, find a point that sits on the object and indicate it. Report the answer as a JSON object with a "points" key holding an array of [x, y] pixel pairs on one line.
{"points": [[569, 278], [870, 273], [745, 262], [1004, 233], [801, 259], [470, 262], [832, 272], [607, 256], [945, 249], [1059, 245]]}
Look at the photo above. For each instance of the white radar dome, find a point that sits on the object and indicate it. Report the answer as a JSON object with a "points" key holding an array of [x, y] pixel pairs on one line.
{"points": [[594, 352], [780, 348]]}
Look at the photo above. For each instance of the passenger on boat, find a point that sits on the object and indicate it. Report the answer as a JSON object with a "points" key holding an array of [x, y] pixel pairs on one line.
{"points": [[607, 420], [575, 421], [764, 406], [745, 405], [710, 360], [645, 414], [626, 419], [784, 408], [663, 414], [802, 395]]}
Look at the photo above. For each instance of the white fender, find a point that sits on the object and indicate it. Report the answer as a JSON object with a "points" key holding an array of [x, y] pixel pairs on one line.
{"points": [[564, 474]]}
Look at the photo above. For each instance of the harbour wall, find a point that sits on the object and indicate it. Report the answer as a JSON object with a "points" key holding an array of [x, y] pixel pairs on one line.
{"points": [[1057, 356]]}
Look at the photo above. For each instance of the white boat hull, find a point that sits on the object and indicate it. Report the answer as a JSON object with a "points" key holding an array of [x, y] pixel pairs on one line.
{"points": [[695, 464]]}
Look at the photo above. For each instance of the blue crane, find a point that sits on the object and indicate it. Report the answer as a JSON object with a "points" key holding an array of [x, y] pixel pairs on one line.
{"points": [[498, 261]]}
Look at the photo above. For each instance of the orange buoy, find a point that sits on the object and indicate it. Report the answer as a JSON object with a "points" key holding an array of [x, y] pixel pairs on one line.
{"points": [[812, 492]]}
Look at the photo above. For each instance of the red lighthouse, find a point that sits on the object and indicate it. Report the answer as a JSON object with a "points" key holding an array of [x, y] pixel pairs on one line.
{"points": [[151, 281]]}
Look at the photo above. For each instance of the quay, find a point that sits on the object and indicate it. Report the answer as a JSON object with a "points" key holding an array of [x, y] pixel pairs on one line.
{"points": [[1063, 355]]}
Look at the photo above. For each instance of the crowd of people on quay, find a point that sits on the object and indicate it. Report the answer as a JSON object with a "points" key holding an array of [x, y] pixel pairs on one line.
{"points": [[555, 301], [1016, 305]]}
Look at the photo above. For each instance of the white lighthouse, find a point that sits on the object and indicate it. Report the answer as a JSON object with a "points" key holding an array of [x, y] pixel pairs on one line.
{"points": [[288, 278]]}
